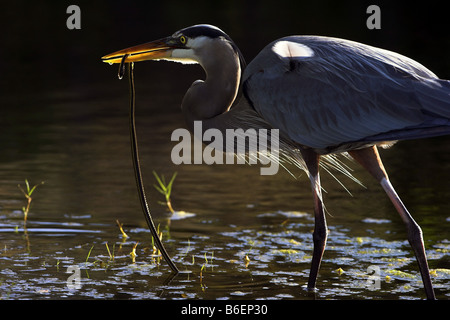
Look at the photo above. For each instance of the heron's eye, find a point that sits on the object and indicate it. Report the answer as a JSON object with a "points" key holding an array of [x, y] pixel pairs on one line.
{"points": [[183, 40]]}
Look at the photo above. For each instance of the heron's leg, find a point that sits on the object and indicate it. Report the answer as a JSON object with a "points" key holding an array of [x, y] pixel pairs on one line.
{"points": [[320, 225], [370, 160]]}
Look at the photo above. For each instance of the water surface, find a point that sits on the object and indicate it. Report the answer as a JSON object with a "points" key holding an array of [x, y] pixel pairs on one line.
{"points": [[249, 236]]}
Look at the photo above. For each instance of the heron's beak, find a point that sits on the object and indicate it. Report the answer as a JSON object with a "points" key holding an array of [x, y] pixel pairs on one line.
{"points": [[155, 50]]}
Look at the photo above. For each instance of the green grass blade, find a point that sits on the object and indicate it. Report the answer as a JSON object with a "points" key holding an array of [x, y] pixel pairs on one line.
{"points": [[28, 186], [159, 189]]}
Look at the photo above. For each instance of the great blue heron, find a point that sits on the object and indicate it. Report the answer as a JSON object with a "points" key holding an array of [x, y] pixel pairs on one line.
{"points": [[325, 95]]}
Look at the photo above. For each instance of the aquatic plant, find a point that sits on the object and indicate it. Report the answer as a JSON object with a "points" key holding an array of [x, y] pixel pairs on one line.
{"points": [[201, 277], [111, 256], [339, 271], [165, 189], [156, 252], [247, 261], [29, 191], [124, 235], [133, 252]]}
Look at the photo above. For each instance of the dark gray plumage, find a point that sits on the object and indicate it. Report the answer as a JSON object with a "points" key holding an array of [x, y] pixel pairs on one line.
{"points": [[341, 94]]}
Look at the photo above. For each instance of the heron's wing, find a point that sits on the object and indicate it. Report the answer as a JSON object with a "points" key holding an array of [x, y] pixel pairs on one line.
{"points": [[325, 92]]}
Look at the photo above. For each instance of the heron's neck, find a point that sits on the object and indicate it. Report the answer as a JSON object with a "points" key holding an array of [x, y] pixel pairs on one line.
{"points": [[209, 99]]}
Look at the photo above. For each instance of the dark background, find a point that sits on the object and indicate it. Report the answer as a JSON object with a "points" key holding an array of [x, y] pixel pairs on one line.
{"points": [[50, 74], [38, 53]]}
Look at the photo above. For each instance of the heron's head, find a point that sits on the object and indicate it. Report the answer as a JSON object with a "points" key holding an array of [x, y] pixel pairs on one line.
{"points": [[195, 44]]}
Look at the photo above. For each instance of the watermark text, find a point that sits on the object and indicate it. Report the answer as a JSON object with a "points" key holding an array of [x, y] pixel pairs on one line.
{"points": [[251, 146]]}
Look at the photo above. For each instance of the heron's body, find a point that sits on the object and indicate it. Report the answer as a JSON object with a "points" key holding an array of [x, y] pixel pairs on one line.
{"points": [[325, 95], [336, 95]]}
